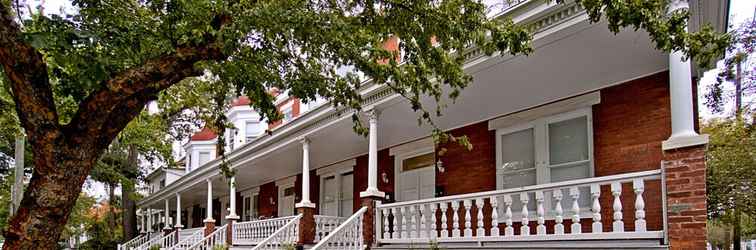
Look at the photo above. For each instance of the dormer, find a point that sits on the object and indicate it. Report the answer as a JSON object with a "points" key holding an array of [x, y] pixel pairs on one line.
{"points": [[247, 124], [200, 149]]}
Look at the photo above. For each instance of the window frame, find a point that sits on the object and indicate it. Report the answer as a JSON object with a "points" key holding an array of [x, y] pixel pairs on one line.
{"points": [[541, 144], [399, 166]]}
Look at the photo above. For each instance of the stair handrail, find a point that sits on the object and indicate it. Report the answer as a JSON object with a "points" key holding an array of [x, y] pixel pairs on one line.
{"points": [[290, 229], [154, 240], [211, 240], [347, 236], [189, 240], [136, 241]]}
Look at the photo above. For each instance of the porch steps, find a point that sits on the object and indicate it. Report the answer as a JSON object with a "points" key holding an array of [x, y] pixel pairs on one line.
{"points": [[251, 246], [540, 245]]}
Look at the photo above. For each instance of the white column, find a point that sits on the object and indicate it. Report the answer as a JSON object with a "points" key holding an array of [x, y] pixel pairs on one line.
{"points": [[178, 211], [167, 216], [305, 174], [681, 97], [232, 200], [209, 217], [141, 222], [149, 220], [372, 189]]}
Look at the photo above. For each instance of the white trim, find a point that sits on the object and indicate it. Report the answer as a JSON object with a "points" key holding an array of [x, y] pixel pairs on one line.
{"points": [[282, 185], [403, 149], [337, 174], [288, 181], [582, 101], [342, 166], [398, 165]]}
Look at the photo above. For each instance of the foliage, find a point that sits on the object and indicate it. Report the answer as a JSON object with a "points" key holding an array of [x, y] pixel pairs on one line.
{"points": [[6, 184], [79, 218], [223, 247], [101, 234], [739, 55], [157, 247], [731, 171]]}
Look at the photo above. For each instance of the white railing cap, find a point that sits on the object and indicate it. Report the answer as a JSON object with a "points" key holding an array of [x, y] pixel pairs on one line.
{"points": [[602, 180]]}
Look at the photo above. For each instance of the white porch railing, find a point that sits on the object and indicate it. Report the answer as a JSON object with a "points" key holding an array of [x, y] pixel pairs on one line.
{"points": [[217, 238], [136, 241], [460, 218], [326, 224], [285, 236], [251, 232], [188, 237], [347, 236]]}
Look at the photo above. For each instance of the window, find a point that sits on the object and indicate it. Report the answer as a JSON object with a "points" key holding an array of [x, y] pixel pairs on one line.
{"points": [[162, 183], [551, 149], [204, 157], [288, 114], [232, 135], [252, 130], [250, 207]]}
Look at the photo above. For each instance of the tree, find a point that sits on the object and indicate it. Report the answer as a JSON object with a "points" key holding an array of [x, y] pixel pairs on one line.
{"points": [[731, 172], [739, 70], [112, 57]]}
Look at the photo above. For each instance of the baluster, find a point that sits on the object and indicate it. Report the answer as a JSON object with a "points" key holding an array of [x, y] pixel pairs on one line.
{"points": [[455, 221], [640, 206], [413, 222], [509, 230], [468, 218], [444, 222], [386, 233], [404, 223], [596, 208], [540, 212], [494, 216], [433, 233], [481, 231], [525, 229], [618, 225], [395, 221], [558, 228], [423, 230]]}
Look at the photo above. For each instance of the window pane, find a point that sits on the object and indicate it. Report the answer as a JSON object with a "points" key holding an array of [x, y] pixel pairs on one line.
{"points": [[252, 129], [518, 179], [204, 157], [570, 173], [568, 141], [417, 162], [517, 150]]}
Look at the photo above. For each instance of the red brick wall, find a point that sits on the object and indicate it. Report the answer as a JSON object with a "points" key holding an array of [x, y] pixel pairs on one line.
{"points": [[628, 127], [468, 171], [385, 165], [268, 191]]}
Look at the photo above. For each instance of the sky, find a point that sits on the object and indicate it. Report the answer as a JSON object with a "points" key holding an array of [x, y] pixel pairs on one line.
{"points": [[740, 11]]}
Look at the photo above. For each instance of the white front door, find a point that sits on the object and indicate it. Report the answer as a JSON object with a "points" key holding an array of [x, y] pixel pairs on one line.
{"points": [[416, 176], [338, 195]]}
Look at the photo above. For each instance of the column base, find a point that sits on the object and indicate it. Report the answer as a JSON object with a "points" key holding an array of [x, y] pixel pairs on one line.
{"points": [[375, 193], [209, 226], [682, 141], [368, 219], [685, 179], [306, 225]]}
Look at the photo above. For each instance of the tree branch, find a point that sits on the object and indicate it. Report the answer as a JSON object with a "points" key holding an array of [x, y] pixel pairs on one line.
{"points": [[27, 75]]}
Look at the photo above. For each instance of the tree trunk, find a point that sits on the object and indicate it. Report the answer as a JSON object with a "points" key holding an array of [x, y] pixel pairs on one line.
{"points": [[736, 230], [111, 200], [127, 190], [59, 172], [738, 88]]}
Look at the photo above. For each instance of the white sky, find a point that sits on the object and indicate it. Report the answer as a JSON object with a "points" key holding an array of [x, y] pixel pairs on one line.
{"points": [[740, 11]]}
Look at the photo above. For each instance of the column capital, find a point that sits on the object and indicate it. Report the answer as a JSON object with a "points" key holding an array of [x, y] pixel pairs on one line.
{"points": [[675, 5], [304, 140], [373, 114], [305, 204]]}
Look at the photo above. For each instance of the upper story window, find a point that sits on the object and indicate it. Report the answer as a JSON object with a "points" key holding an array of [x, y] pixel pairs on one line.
{"points": [[288, 114], [232, 137], [162, 184], [204, 157], [252, 130], [550, 149]]}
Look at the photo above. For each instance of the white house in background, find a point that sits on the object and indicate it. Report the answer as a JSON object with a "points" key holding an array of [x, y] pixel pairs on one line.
{"points": [[589, 142]]}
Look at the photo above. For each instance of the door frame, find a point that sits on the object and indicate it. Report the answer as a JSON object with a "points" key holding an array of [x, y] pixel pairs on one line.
{"points": [[399, 157], [335, 170], [282, 185]]}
